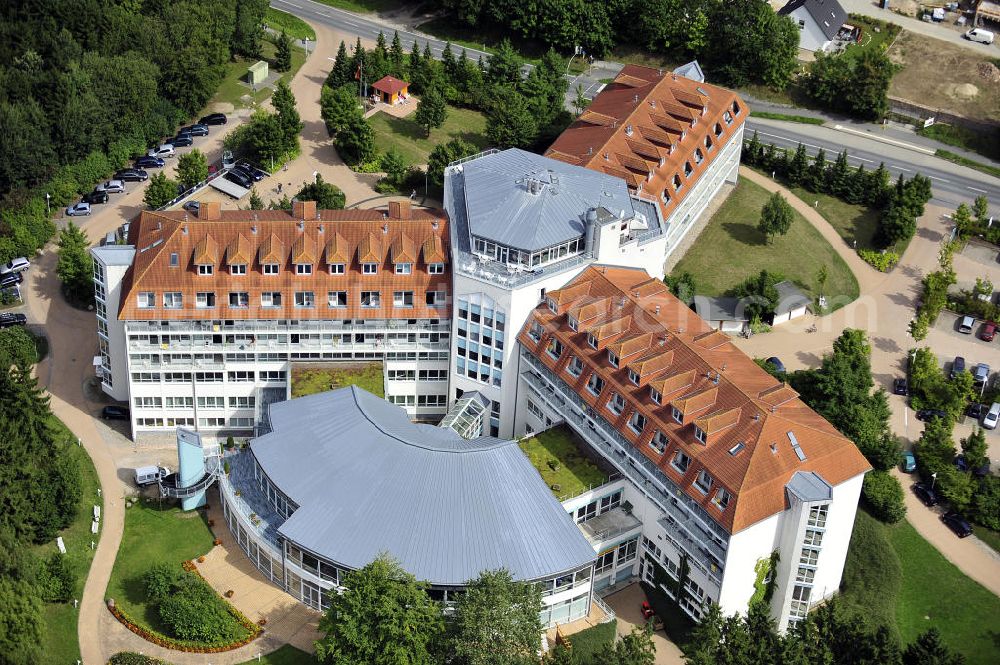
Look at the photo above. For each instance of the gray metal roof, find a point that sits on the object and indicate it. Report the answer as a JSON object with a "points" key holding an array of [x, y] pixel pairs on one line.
{"points": [[790, 297], [691, 70], [809, 486], [721, 308], [368, 481], [504, 206], [114, 255], [828, 14]]}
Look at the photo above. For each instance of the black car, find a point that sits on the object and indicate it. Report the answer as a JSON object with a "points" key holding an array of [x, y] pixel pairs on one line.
{"points": [[245, 173], [114, 412], [900, 387], [927, 414], [926, 495], [957, 523], [95, 197], [131, 175], [147, 162], [963, 465], [240, 179], [10, 279], [8, 319], [252, 171], [957, 366], [182, 141], [213, 119], [776, 363], [976, 410], [192, 206], [194, 130]]}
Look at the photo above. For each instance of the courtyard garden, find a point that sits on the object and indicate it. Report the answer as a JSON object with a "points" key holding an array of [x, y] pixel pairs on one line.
{"points": [[411, 140], [557, 455], [731, 248], [309, 379]]}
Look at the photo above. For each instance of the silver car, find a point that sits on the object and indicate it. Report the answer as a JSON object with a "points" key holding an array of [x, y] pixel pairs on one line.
{"points": [[111, 187], [77, 209], [165, 150], [991, 417]]}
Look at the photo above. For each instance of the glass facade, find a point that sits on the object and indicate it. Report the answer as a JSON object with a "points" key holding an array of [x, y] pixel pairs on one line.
{"points": [[481, 329]]}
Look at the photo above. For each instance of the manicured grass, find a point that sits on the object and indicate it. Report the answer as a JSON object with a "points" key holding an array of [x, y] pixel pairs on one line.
{"points": [[293, 26], [362, 6], [870, 39], [573, 473], [893, 574], [965, 161], [59, 640], [412, 141], [984, 143], [154, 534], [232, 89], [731, 249], [988, 536], [852, 222], [286, 655], [804, 119], [308, 380]]}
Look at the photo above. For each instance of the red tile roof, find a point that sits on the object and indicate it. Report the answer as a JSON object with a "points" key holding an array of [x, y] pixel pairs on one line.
{"points": [[389, 85], [646, 116], [718, 388], [275, 236]]}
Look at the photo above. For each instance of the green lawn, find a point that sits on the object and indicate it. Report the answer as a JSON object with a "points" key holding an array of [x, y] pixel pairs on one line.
{"points": [[984, 143], [876, 35], [573, 473], [293, 26], [154, 534], [308, 380], [802, 119], [730, 249], [286, 655], [852, 222], [988, 536], [412, 141], [363, 6], [59, 641], [232, 90], [924, 590]]}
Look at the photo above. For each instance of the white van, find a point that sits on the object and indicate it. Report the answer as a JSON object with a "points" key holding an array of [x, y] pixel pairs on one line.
{"points": [[147, 475], [979, 35]]}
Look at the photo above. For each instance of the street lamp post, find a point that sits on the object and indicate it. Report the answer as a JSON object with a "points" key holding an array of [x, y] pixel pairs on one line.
{"points": [[48, 210], [933, 479]]}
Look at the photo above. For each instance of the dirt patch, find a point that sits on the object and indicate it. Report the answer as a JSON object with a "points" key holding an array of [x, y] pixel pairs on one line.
{"points": [[939, 74]]}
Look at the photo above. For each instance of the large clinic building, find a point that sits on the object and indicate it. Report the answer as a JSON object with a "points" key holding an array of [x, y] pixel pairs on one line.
{"points": [[534, 299]]}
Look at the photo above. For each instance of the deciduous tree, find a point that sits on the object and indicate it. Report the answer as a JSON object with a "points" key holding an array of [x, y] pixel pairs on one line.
{"points": [[496, 621], [283, 52], [432, 110], [444, 154], [75, 267], [192, 168], [775, 217], [160, 191], [326, 195], [509, 122]]}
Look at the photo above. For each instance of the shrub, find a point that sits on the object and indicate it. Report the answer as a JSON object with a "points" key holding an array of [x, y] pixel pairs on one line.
{"points": [[132, 658], [588, 643], [195, 612], [17, 345], [160, 580], [881, 261], [57, 579], [884, 496]]}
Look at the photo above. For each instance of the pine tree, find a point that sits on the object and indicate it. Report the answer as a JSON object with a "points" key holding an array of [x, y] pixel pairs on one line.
{"points": [[340, 74], [815, 180], [256, 203], [283, 53], [75, 267], [856, 187], [358, 62], [798, 166], [397, 58], [752, 152], [414, 68], [840, 174], [878, 190], [432, 110], [448, 64], [288, 116], [380, 45]]}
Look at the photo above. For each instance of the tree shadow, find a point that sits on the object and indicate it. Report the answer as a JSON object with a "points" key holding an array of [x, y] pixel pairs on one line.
{"points": [[745, 233]]}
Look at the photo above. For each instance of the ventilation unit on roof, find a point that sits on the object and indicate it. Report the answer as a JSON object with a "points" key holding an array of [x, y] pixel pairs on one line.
{"points": [[628, 130], [184, 229], [302, 226], [796, 447]]}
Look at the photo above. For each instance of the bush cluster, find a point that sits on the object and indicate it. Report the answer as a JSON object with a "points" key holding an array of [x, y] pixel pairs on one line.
{"points": [[883, 261], [189, 607], [884, 496], [132, 658]]}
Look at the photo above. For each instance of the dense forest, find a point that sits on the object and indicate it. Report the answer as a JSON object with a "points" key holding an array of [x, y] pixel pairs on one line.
{"points": [[87, 84]]}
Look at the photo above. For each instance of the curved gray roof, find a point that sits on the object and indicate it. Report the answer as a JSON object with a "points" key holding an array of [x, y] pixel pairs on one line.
{"points": [[502, 206], [368, 481]]}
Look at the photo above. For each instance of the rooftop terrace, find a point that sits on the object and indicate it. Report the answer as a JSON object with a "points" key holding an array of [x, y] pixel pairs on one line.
{"points": [[558, 456], [312, 378]]}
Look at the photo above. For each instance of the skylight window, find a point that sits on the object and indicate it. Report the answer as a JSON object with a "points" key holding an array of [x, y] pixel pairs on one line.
{"points": [[796, 447]]}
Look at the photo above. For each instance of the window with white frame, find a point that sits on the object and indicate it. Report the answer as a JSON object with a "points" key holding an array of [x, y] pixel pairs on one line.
{"points": [[431, 400], [633, 376], [211, 402], [173, 300], [239, 299], [805, 575], [437, 298], [721, 499], [336, 299], [637, 422], [402, 298], [146, 299], [575, 366], [175, 259], [704, 481], [572, 323], [535, 331], [237, 269], [813, 537], [370, 299], [303, 269], [659, 442], [605, 562], [700, 434], [147, 402], [204, 299], [677, 414], [595, 384], [551, 304], [809, 556], [206, 269], [681, 461], [613, 358], [270, 268], [241, 376], [369, 268], [627, 550], [241, 402], [432, 375], [555, 348], [616, 404], [403, 268], [435, 268], [270, 299], [655, 395], [336, 268], [180, 402], [728, 117], [592, 340], [305, 299], [817, 516]]}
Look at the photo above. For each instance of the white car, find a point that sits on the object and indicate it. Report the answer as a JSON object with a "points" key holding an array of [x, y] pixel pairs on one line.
{"points": [[991, 417], [20, 264], [165, 150], [111, 187], [82, 208]]}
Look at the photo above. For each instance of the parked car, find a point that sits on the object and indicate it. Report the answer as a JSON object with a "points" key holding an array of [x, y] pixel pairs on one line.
{"points": [[926, 495], [182, 141], [96, 197], [165, 150], [111, 187], [254, 172], [115, 412], [927, 414], [966, 324], [132, 175], [8, 319], [78, 209], [147, 475], [149, 162], [228, 161], [909, 463], [20, 264], [249, 175], [194, 130], [957, 365], [192, 206], [957, 523], [11, 279], [776, 363], [900, 386], [975, 410], [239, 178], [646, 609], [989, 331], [992, 416], [979, 35], [213, 119], [980, 373]]}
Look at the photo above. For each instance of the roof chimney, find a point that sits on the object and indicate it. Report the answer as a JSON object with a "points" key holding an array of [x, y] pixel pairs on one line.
{"points": [[400, 210], [253, 229], [210, 210], [635, 98], [301, 226], [657, 309], [320, 228], [303, 209], [184, 228], [385, 228]]}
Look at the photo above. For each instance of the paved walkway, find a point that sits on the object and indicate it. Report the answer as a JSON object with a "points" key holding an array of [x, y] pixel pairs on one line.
{"points": [[627, 604], [884, 310]]}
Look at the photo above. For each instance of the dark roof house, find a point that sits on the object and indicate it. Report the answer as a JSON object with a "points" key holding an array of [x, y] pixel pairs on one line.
{"points": [[818, 21]]}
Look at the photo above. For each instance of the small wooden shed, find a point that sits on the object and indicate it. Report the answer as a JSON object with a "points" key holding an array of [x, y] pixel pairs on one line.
{"points": [[391, 89]]}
